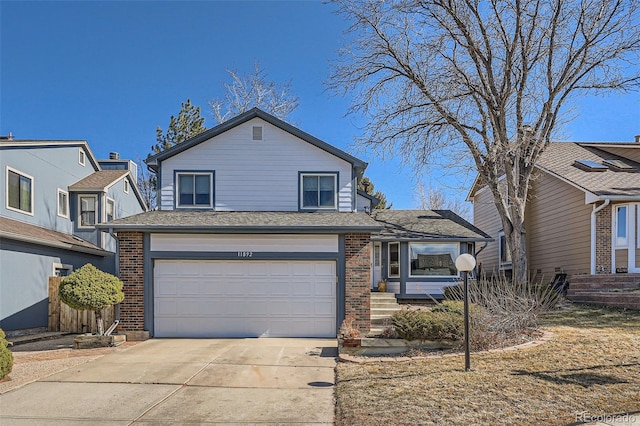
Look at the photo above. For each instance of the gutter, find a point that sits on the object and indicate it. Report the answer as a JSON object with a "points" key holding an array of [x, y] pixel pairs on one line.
{"points": [[595, 210], [55, 244]]}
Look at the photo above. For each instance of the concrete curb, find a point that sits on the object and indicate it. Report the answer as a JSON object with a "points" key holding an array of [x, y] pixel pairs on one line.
{"points": [[546, 336]]}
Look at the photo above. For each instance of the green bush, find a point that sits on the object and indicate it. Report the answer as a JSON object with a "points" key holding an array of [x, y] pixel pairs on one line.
{"points": [[455, 306], [6, 357], [89, 288], [428, 325]]}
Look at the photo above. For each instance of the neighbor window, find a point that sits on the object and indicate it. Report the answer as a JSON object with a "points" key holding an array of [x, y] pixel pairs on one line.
{"points": [[110, 210], [19, 191], [394, 260], [621, 226], [63, 203], [433, 258], [88, 207], [81, 157], [503, 251], [195, 189], [318, 191], [126, 186]]}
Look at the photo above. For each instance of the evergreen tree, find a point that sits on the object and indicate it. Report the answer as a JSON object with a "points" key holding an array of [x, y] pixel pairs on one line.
{"points": [[188, 124], [367, 186]]}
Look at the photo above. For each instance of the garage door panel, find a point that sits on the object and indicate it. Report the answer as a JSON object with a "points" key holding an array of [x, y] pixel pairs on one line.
{"points": [[244, 298]]}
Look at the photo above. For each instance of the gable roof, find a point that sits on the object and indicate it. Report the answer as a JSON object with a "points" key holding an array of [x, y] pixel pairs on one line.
{"points": [[20, 231], [36, 143], [98, 181], [426, 225], [558, 160], [153, 160]]}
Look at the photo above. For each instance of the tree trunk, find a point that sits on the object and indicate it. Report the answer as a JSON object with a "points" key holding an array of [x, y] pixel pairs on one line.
{"points": [[99, 323], [518, 246]]}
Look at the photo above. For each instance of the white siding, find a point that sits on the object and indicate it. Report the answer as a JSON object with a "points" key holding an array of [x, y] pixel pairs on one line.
{"points": [[427, 287], [245, 243], [256, 175]]}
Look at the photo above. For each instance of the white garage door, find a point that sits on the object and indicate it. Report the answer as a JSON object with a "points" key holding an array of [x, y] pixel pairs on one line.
{"points": [[220, 298]]}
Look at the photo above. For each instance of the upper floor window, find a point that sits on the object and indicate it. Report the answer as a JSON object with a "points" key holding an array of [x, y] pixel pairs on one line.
{"points": [[81, 157], [63, 203], [19, 191], [110, 210], [195, 189], [318, 191], [621, 226], [394, 260], [126, 185], [88, 208]]}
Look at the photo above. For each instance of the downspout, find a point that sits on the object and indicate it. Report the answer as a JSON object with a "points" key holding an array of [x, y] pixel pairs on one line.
{"points": [[117, 255], [593, 233]]}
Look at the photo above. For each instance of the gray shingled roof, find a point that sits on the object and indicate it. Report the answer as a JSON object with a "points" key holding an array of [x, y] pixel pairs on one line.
{"points": [[426, 225], [559, 158], [15, 230], [180, 220], [98, 181]]}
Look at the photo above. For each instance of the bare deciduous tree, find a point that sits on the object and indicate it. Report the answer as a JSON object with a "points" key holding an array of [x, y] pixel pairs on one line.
{"points": [[489, 78], [435, 199], [253, 90]]}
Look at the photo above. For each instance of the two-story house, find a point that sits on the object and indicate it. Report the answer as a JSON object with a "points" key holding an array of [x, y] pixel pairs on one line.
{"points": [[53, 195], [261, 232], [582, 215]]}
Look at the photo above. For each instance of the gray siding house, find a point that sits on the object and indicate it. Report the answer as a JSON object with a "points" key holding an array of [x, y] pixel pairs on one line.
{"points": [[261, 232], [53, 195]]}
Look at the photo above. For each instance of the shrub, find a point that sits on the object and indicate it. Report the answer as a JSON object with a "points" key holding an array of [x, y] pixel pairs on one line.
{"points": [[6, 357], [89, 288], [456, 306], [453, 292], [428, 325]]}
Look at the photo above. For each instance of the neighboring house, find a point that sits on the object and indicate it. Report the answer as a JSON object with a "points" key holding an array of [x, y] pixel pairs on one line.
{"points": [[53, 195], [260, 232], [582, 216]]}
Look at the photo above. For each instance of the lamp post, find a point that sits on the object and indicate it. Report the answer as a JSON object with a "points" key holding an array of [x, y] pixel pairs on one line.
{"points": [[465, 263]]}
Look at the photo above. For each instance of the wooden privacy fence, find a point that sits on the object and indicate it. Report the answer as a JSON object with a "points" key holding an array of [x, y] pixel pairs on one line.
{"points": [[64, 318]]}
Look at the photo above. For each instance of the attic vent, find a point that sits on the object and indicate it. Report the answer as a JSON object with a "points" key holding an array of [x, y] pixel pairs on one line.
{"points": [[590, 166], [620, 166], [257, 133]]}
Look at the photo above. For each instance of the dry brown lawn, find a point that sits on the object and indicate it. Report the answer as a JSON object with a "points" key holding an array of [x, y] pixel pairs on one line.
{"points": [[591, 365]]}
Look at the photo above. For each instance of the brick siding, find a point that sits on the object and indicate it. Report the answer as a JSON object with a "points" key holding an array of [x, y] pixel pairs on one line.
{"points": [[357, 283], [131, 257], [603, 241]]}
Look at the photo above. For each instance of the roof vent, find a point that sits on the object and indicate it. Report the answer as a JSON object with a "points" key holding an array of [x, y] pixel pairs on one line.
{"points": [[620, 166], [590, 166], [114, 156], [257, 133]]}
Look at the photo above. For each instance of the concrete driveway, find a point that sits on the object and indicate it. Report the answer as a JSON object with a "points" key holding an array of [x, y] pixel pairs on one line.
{"points": [[178, 381]]}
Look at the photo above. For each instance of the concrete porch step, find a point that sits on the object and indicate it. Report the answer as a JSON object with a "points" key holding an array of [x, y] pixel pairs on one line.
{"points": [[384, 305]]}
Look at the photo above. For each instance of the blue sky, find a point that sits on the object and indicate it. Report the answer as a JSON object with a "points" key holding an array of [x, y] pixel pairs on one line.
{"points": [[111, 72]]}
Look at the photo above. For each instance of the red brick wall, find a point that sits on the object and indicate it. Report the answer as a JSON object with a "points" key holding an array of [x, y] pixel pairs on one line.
{"points": [[603, 240], [358, 270], [131, 257]]}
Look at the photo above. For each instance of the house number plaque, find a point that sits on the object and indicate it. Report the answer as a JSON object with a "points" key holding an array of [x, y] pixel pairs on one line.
{"points": [[245, 254]]}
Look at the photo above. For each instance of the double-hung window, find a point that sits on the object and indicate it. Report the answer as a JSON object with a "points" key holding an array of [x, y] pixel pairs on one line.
{"points": [[394, 260], [63, 203], [110, 210], [19, 191], [503, 251], [88, 209], [318, 191], [195, 189]]}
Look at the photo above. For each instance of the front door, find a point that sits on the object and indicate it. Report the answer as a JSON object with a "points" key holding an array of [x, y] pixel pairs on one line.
{"points": [[377, 264]]}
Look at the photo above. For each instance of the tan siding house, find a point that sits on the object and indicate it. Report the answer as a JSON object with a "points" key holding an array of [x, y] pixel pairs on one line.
{"points": [[583, 212]]}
